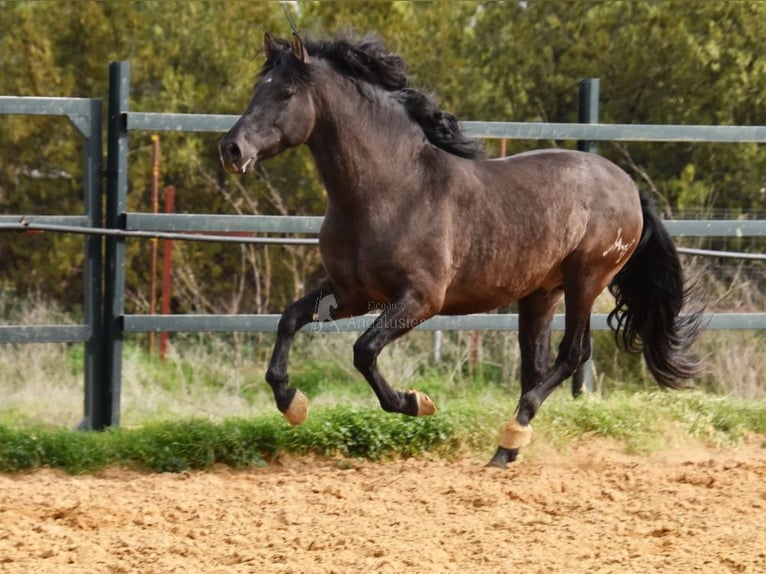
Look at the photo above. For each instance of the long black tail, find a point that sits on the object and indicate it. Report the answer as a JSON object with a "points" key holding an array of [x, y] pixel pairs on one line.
{"points": [[650, 293]]}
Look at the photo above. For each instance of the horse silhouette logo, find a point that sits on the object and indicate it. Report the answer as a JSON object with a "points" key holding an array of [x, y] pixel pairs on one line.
{"points": [[323, 310]]}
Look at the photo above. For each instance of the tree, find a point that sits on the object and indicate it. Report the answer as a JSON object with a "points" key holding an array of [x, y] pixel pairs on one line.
{"points": [[678, 62]]}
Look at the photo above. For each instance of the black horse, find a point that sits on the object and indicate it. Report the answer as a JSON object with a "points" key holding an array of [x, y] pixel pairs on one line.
{"points": [[420, 223]]}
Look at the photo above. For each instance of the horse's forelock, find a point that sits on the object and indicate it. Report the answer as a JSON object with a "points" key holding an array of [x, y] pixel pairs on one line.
{"points": [[284, 59]]}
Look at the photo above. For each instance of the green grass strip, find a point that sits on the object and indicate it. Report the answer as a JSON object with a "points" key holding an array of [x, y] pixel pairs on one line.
{"points": [[641, 422]]}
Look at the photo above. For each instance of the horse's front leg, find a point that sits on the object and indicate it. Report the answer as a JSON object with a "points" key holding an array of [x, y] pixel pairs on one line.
{"points": [[395, 320], [321, 305], [291, 402]]}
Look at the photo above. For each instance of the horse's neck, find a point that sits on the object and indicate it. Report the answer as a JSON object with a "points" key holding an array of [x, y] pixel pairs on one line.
{"points": [[362, 149]]}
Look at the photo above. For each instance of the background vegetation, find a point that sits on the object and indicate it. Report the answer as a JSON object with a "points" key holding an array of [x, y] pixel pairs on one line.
{"points": [[641, 422], [680, 62], [207, 403]]}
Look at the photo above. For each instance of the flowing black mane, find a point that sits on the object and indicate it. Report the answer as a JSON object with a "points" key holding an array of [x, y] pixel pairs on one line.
{"points": [[368, 60]]}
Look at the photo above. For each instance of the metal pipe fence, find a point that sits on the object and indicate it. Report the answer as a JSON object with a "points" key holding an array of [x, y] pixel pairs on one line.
{"points": [[85, 115], [106, 321]]}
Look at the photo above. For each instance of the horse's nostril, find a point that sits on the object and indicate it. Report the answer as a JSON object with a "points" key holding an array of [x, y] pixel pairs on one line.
{"points": [[231, 151]]}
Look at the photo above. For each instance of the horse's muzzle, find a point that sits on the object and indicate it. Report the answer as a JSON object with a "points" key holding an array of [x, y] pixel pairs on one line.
{"points": [[232, 158]]}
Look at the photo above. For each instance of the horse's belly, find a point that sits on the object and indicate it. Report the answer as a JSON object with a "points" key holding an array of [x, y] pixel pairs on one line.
{"points": [[481, 294]]}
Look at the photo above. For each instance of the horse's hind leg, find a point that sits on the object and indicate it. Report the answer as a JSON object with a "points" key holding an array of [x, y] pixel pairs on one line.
{"points": [[394, 321], [535, 316], [291, 402], [573, 350]]}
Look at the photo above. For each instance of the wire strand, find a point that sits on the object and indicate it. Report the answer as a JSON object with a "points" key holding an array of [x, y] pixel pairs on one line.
{"points": [[290, 19]]}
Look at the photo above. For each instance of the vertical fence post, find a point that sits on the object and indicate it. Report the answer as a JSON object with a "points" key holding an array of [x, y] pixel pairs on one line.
{"points": [[107, 408], [93, 271], [154, 243], [167, 270], [587, 113]]}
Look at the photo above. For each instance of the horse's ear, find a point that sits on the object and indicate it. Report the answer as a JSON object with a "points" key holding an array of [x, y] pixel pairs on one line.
{"points": [[269, 45], [299, 50]]}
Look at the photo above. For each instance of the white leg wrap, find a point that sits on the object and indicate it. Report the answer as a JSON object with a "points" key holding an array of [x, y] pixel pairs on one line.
{"points": [[516, 436]]}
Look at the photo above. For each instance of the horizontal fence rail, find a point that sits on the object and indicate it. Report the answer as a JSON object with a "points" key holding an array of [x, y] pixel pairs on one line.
{"points": [[616, 132], [137, 121], [45, 333], [79, 111], [225, 223], [475, 322], [188, 236], [312, 224]]}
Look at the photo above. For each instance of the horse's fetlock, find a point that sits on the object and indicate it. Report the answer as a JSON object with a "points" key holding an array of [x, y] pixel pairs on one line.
{"points": [[399, 402], [276, 379], [283, 396], [528, 406], [389, 407]]}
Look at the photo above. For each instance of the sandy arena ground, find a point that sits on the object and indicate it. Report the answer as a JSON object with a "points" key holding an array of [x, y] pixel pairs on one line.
{"points": [[597, 510]]}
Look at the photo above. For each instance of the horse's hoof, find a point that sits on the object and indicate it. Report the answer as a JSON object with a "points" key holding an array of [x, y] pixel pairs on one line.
{"points": [[425, 405], [502, 457], [515, 435], [298, 411]]}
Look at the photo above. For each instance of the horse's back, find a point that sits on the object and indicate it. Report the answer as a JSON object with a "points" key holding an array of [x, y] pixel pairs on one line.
{"points": [[532, 212], [596, 204], [567, 188], [558, 170]]}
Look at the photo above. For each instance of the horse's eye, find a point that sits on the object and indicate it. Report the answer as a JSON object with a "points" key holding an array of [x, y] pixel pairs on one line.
{"points": [[286, 94]]}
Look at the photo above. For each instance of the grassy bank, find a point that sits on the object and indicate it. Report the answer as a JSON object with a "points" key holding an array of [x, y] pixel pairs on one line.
{"points": [[641, 423], [208, 402]]}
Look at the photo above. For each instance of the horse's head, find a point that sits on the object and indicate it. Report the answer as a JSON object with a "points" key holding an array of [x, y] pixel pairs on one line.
{"points": [[280, 114]]}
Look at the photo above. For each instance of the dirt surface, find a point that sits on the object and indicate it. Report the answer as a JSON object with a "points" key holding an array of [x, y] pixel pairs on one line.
{"points": [[594, 510]]}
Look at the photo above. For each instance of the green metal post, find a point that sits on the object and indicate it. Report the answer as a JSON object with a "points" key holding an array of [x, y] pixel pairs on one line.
{"points": [[587, 112], [106, 407], [93, 271], [582, 380]]}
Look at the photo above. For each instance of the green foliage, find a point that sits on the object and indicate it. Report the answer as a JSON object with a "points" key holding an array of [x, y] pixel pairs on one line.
{"points": [[659, 62], [715, 416], [645, 421], [635, 420], [368, 433], [75, 452], [316, 377], [642, 422]]}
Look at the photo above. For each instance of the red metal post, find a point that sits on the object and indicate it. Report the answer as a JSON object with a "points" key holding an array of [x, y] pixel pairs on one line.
{"points": [[153, 242], [167, 265]]}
